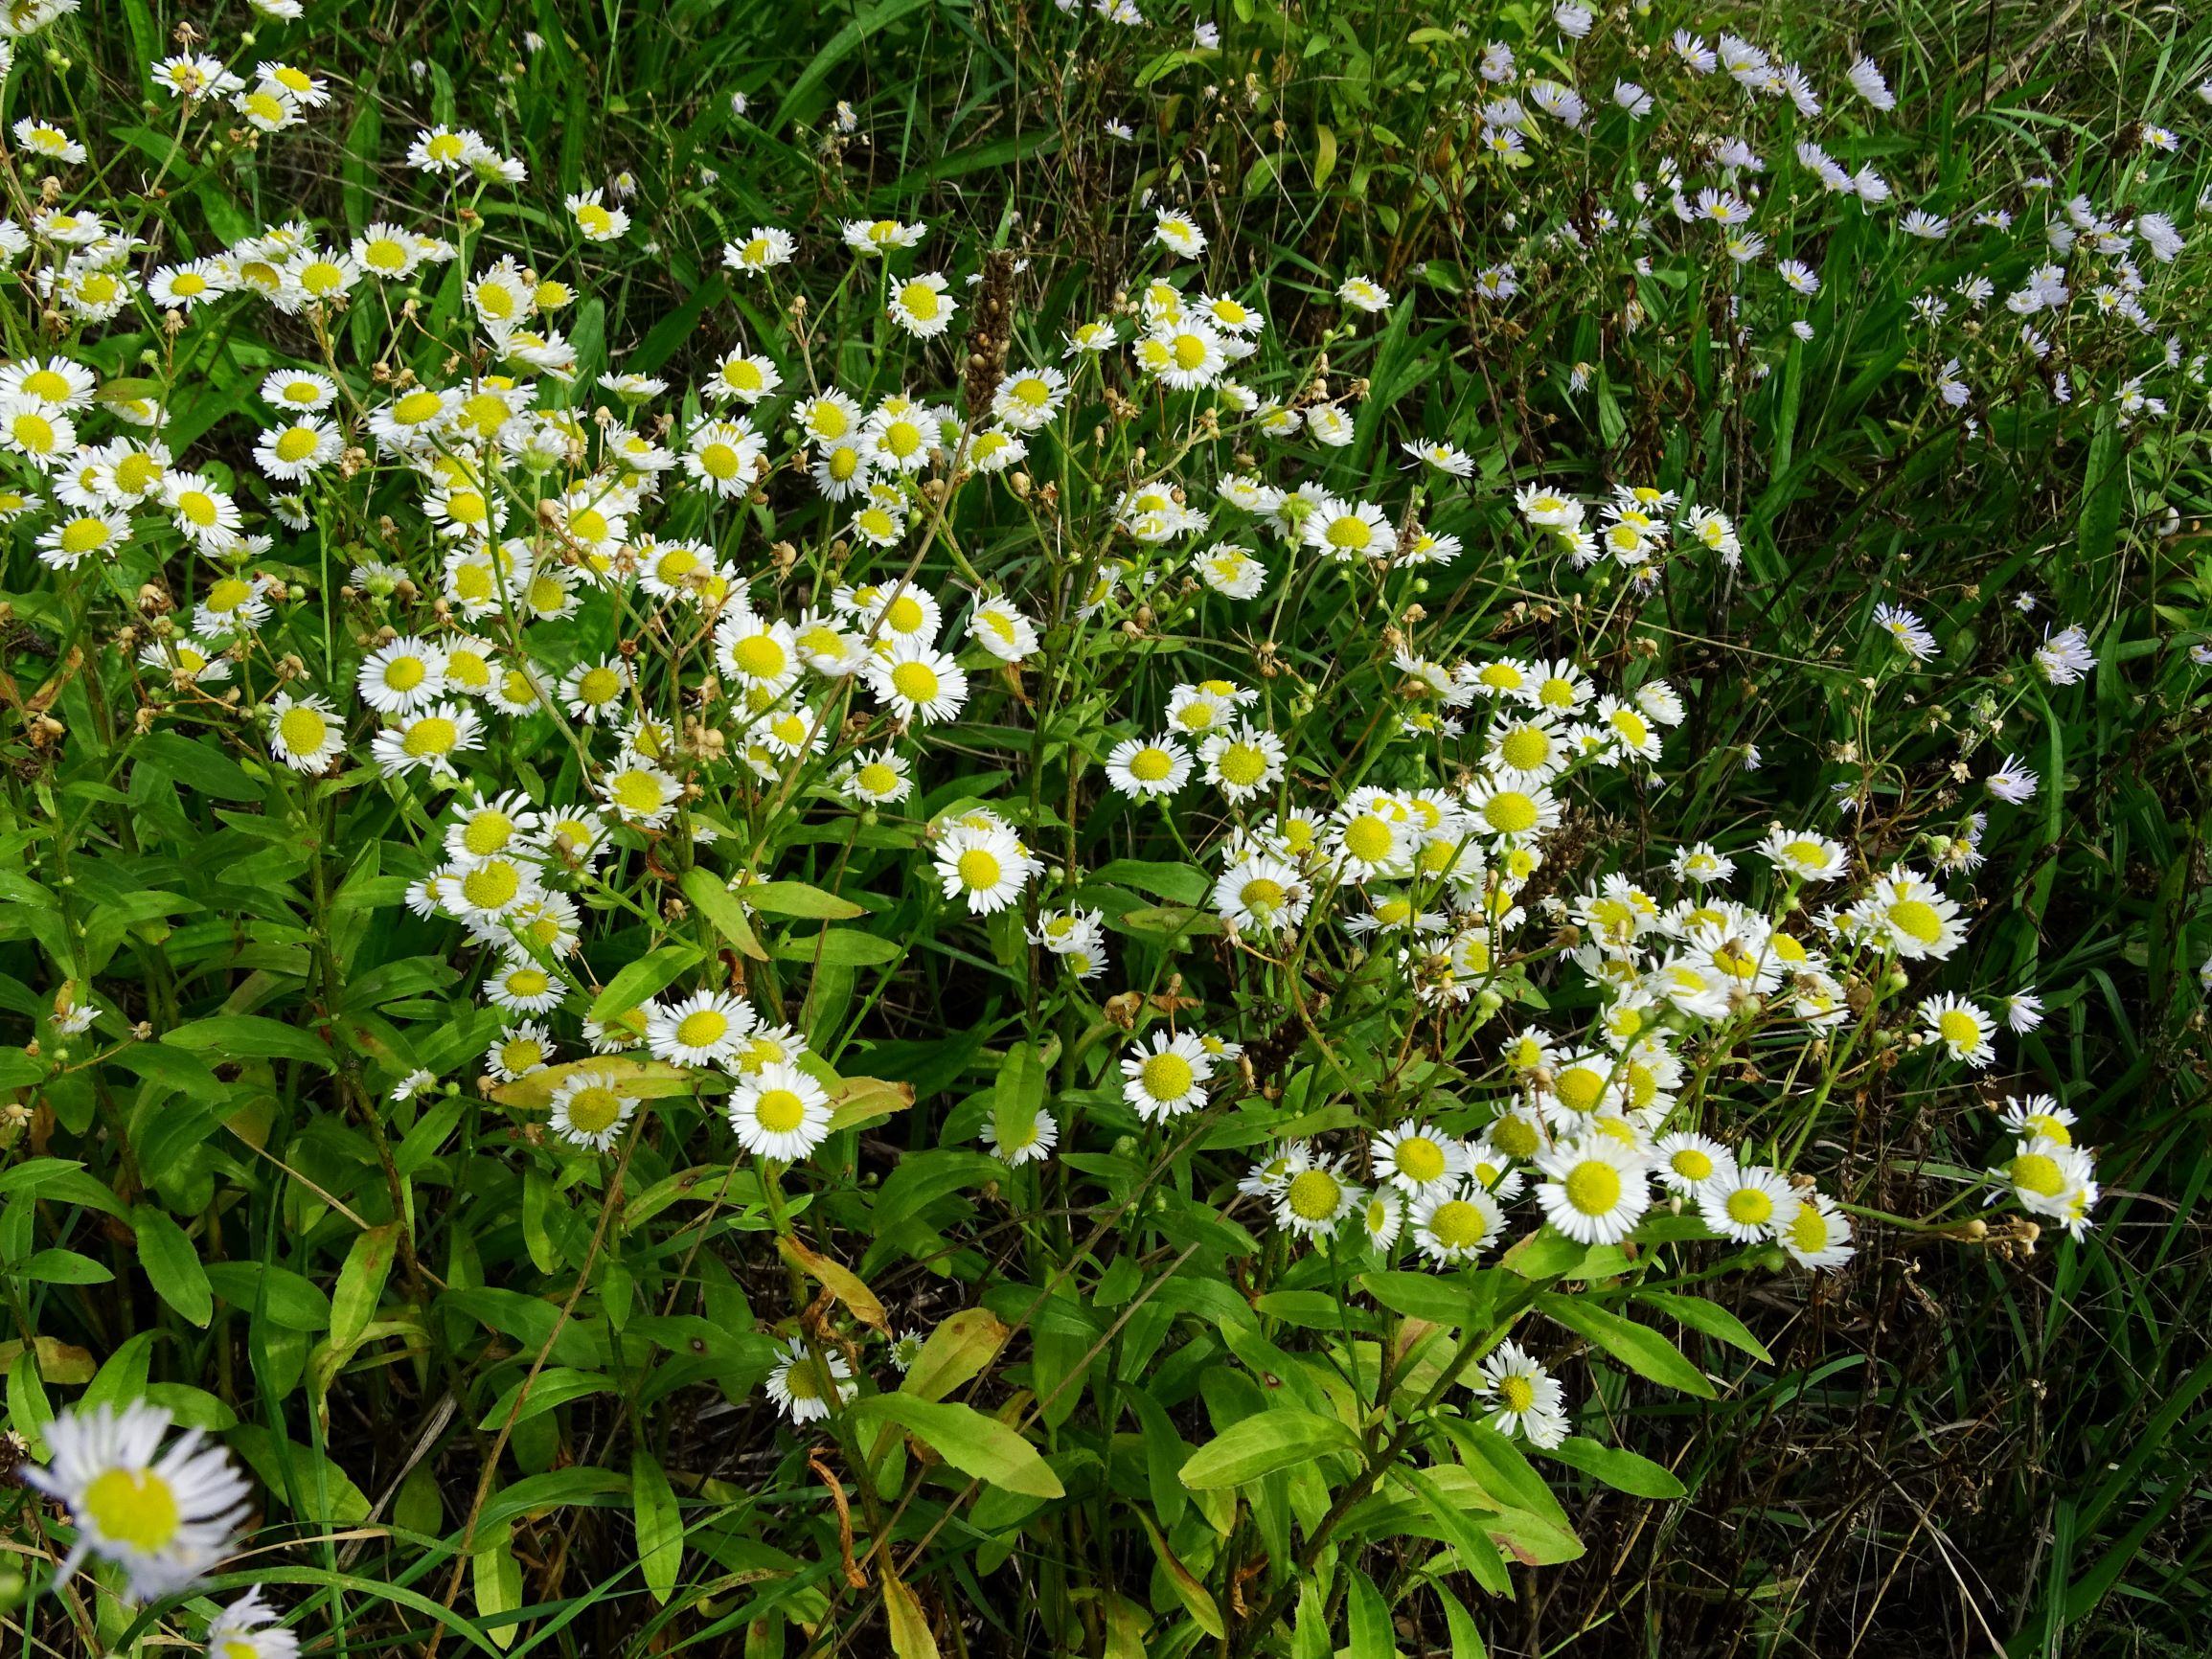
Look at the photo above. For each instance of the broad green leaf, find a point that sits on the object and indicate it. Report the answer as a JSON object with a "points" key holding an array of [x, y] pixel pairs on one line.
{"points": [[58, 1266], [911, 1637], [1638, 1347], [955, 1352], [714, 901], [977, 1445], [840, 1281], [29, 1409], [295, 1303], [659, 1525], [172, 1266], [1617, 1468], [236, 1035], [797, 899], [1197, 1599], [840, 947], [1709, 1317], [361, 1283], [1265, 1442], [1367, 1618], [641, 979], [555, 1385], [495, 1581]]}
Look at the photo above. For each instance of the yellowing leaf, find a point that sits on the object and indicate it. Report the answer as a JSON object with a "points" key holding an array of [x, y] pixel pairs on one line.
{"points": [[638, 1080], [841, 1282]]}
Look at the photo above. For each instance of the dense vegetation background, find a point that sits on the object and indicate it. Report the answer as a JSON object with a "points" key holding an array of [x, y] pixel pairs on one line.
{"points": [[1955, 1446]]}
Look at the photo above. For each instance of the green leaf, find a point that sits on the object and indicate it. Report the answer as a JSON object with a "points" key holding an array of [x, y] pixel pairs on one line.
{"points": [[122, 1376], [1709, 1317], [1367, 1618], [245, 1035], [29, 1409], [797, 899], [659, 1524], [1462, 1299], [1177, 883], [719, 906], [172, 1264], [642, 979], [1264, 1442], [955, 1352], [1197, 1599], [1467, 1533], [1638, 1347], [841, 46], [200, 765], [977, 1446], [911, 1637], [840, 947], [555, 1385], [294, 1303], [63, 1267], [495, 1581], [1628, 1471], [361, 1283]]}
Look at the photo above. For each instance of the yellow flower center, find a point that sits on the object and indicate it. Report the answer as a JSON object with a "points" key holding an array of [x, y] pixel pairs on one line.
{"points": [[1313, 1194], [916, 682], [920, 301], [487, 832], [1959, 1030], [1458, 1225], [406, 673], [1751, 1207], [594, 1110], [133, 1506], [598, 687], [493, 886], [1167, 1077], [528, 982], [82, 536], [1151, 764], [1916, 919], [1369, 839], [1593, 1187], [1515, 1393], [1692, 1164], [2038, 1172], [416, 407], [1510, 813], [228, 595], [1809, 1229], [521, 1055], [433, 735], [1525, 748], [1515, 1137], [1243, 764], [1418, 1158], [303, 730], [1579, 1088], [702, 1028], [877, 779], [1260, 895], [779, 1111], [979, 871]]}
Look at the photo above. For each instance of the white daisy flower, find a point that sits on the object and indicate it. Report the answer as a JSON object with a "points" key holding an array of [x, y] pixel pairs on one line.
{"points": [[1168, 1077], [703, 1029], [780, 1112], [163, 1517], [588, 1111]]}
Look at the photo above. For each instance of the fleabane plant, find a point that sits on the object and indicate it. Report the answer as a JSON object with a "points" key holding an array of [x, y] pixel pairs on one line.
{"points": [[919, 840]]}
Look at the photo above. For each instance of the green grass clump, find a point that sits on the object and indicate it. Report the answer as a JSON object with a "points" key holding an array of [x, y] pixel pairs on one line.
{"points": [[987, 829]]}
